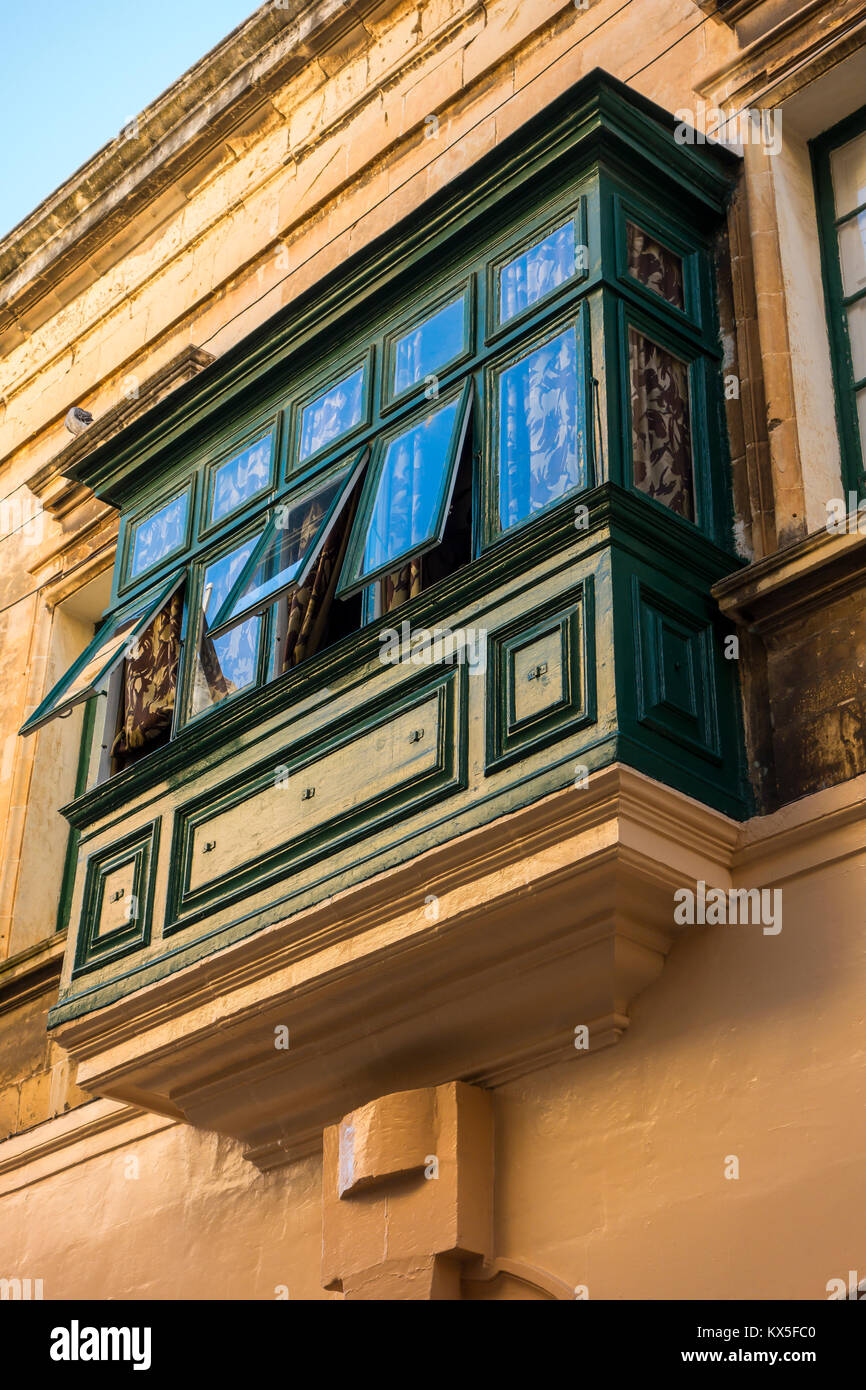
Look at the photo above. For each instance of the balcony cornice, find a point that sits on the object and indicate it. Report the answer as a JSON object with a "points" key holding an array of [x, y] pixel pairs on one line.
{"points": [[555, 916]]}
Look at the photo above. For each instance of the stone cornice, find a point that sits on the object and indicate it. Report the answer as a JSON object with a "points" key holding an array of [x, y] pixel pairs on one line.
{"points": [[801, 578], [31, 973], [790, 55], [173, 134]]}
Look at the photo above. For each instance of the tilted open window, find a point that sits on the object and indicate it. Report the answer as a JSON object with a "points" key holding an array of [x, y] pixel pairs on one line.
{"points": [[407, 493], [120, 637]]}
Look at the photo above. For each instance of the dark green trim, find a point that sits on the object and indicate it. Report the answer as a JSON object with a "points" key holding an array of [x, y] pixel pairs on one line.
{"points": [[185, 905], [835, 301], [598, 118], [130, 526], [614, 513], [206, 527], [70, 862], [414, 318], [351, 581], [520, 240], [141, 848], [572, 618]]}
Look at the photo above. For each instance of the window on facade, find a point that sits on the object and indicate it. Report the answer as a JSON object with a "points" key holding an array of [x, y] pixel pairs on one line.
{"points": [[653, 265], [159, 536], [660, 424], [537, 272], [117, 637], [240, 479], [332, 414], [408, 492], [442, 432], [540, 427], [425, 349], [840, 167]]}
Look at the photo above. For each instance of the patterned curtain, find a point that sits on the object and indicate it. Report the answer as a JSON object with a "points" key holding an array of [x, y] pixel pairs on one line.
{"points": [[654, 265], [399, 587], [150, 685], [660, 429], [310, 606]]}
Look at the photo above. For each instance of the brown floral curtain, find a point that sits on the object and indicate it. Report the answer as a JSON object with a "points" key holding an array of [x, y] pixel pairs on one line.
{"points": [[310, 606], [660, 429], [654, 265], [150, 685], [399, 587]]}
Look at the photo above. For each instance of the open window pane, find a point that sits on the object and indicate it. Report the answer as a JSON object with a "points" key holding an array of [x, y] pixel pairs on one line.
{"points": [[159, 535], [240, 479], [334, 413], [405, 503], [228, 662], [90, 672], [660, 424], [541, 428], [541, 268], [288, 547], [426, 348]]}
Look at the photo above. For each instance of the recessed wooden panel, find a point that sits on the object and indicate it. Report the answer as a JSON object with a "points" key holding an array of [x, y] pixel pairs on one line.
{"points": [[297, 803], [117, 903], [118, 900], [540, 677], [298, 808], [676, 680]]}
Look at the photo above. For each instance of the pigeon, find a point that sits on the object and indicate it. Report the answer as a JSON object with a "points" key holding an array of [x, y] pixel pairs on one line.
{"points": [[77, 420]]}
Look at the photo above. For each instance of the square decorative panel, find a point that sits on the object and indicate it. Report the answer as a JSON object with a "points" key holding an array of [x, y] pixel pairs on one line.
{"points": [[676, 684], [540, 678], [118, 899]]}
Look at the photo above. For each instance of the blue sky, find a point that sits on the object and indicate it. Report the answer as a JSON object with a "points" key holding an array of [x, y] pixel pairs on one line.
{"points": [[76, 71]]}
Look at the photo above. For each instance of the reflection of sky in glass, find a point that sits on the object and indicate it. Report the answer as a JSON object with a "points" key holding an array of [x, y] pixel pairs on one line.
{"points": [[159, 535], [294, 529], [409, 489], [241, 478], [540, 453], [428, 347], [339, 409], [536, 272], [226, 663], [221, 575]]}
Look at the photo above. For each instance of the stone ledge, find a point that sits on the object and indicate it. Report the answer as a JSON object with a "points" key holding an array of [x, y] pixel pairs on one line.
{"points": [[556, 916]]}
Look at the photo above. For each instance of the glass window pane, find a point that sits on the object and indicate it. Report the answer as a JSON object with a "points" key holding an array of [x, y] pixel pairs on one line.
{"points": [[426, 348], [159, 535], [848, 167], [240, 478], [332, 414], [857, 337], [226, 663], [294, 529], [410, 485], [538, 271], [861, 415], [654, 265], [852, 254], [660, 428], [541, 429], [117, 638]]}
